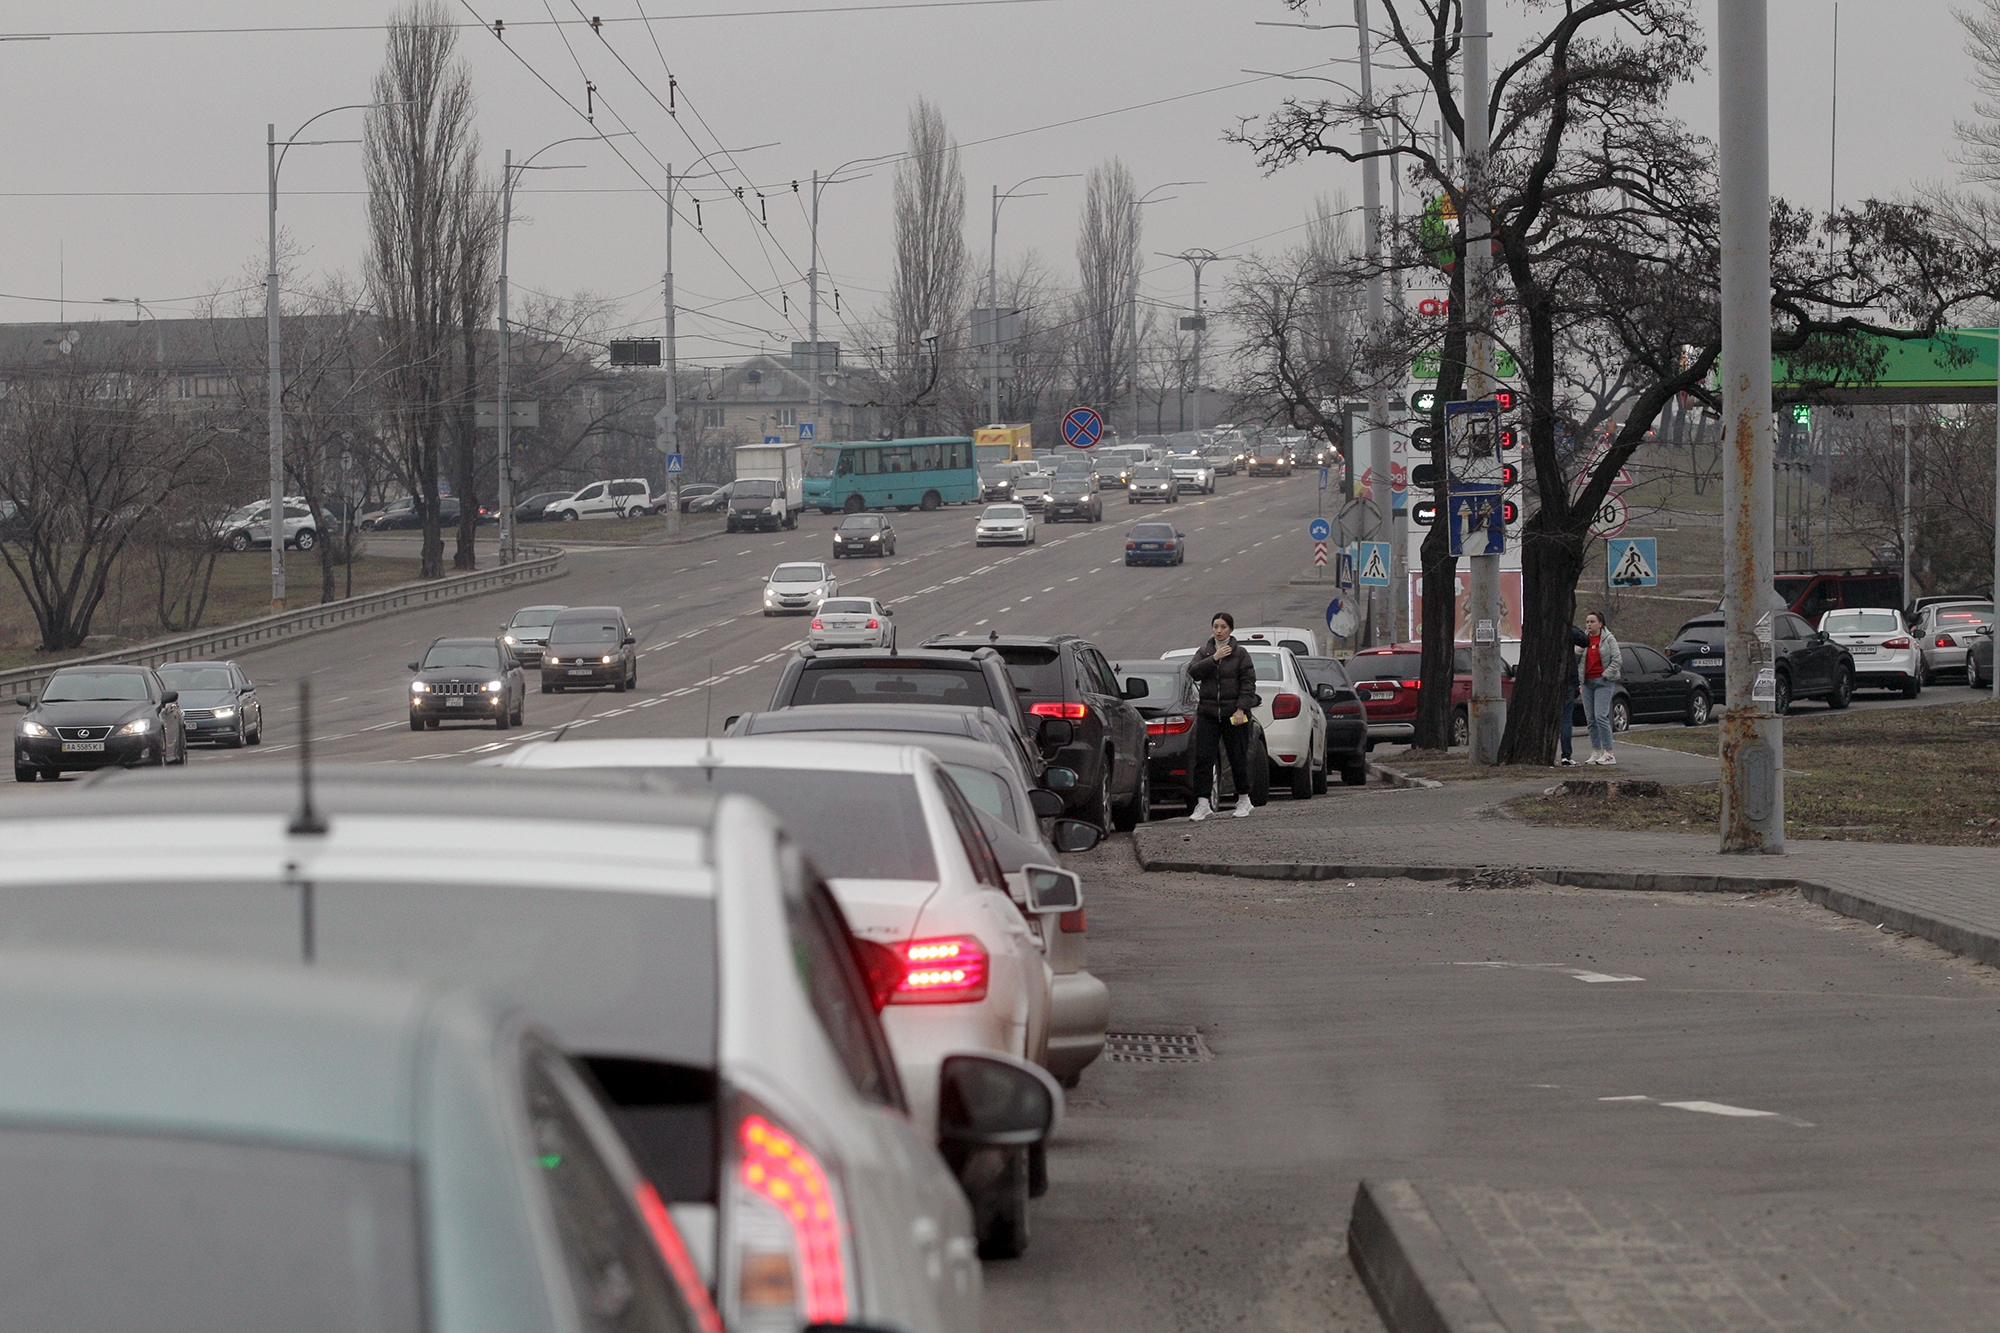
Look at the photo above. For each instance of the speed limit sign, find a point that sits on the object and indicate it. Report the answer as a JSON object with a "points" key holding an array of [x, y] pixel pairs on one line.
{"points": [[1611, 517]]}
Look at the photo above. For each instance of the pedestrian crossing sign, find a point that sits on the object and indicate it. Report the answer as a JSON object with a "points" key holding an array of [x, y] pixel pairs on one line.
{"points": [[673, 463], [1372, 564], [1633, 562]]}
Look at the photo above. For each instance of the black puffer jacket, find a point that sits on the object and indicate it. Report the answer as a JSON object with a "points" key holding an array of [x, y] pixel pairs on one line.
{"points": [[1227, 684]]}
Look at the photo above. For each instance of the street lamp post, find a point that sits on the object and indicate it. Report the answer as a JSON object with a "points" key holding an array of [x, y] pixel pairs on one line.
{"points": [[1132, 300], [993, 285], [820, 183], [1197, 260]]}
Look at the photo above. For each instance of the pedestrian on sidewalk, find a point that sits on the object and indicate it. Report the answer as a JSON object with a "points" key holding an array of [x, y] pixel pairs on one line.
{"points": [[1598, 675], [1578, 641], [1228, 691]]}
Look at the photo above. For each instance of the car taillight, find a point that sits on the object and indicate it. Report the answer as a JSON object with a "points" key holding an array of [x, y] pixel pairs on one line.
{"points": [[790, 1264], [881, 968], [874, 624], [1074, 712], [947, 970], [1895, 643], [1072, 923], [1347, 708], [819, 625], [1170, 726], [680, 1264], [1131, 546], [1945, 641], [1410, 684], [1285, 705]]}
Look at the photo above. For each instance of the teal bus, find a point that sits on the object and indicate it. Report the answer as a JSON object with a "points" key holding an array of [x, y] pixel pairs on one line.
{"points": [[905, 474]]}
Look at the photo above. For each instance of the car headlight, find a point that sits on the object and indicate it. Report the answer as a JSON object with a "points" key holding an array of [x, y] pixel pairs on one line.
{"points": [[769, 595], [33, 728], [495, 686], [137, 727], [876, 538], [507, 638], [223, 714], [418, 687], [605, 660]]}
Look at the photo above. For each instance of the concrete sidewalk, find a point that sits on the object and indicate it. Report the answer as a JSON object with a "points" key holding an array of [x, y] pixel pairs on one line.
{"points": [[1948, 895]]}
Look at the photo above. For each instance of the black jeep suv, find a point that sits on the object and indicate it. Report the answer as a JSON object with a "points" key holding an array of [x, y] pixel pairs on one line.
{"points": [[1084, 719], [897, 680]]}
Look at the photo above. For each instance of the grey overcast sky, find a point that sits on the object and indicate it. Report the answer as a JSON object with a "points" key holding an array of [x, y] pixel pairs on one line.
{"points": [[137, 161]]}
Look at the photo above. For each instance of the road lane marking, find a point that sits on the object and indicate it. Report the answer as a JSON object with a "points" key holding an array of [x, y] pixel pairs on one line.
{"points": [[1576, 973], [1723, 1109]]}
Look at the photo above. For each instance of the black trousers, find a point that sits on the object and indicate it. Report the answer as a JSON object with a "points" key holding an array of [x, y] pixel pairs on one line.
{"points": [[1208, 732]]}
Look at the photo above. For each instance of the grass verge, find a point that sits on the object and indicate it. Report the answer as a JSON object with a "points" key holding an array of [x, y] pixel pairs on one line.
{"points": [[1902, 775]]}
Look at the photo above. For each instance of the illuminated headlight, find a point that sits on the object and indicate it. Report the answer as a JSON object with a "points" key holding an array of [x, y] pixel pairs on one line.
{"points": [[606, 660], [33, 729], [495, 686], [507, 638], [136, 728], [876, 537], [223, 714], [418, 687], [770, 595], [554, 661]]}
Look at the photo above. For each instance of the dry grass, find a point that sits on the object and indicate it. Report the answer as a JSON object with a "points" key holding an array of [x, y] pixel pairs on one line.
{"points": [[1901, 775]]}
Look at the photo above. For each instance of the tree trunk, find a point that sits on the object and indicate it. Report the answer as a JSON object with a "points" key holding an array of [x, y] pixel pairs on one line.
{"points": [[1550, 566]]}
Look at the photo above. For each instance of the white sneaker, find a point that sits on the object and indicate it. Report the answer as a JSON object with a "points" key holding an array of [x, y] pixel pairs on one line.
{"points": [[1596, 757], [1566, 762], [1202, 810], [1243, 807], [1609, 760]]}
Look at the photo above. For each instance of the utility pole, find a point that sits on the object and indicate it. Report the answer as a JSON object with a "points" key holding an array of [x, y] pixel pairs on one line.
{"points": [[1132, 301], [993, 284], [1383, 529], [1488, 710], [1753, 746], [506, 419], [812, 307], [666, 422], [275, 387], [1197, 260]]}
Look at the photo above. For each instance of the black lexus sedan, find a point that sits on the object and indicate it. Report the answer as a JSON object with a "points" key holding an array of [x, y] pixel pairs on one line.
{"points": [[469, 680], [98, 717], [218, 702]]}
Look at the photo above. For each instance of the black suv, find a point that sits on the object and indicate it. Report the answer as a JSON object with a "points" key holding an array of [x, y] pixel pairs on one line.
{"points": [[1085, 719], [898, 679], [590, 645], [1809, 664], [467, 680]]}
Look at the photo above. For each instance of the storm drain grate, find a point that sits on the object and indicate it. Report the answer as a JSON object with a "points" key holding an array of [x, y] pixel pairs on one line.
{"points": [[1155, 1048]]}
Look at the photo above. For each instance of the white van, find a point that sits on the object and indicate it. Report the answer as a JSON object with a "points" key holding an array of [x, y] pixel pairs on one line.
{"points": [[1303, 641], [620, 497]]}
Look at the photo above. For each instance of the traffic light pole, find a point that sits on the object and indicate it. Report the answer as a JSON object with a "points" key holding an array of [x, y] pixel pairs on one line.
{"points": [[1487, 714]]}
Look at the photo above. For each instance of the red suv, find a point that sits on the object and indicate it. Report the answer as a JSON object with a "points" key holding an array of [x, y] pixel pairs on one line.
{"points": [[1389, 678]]}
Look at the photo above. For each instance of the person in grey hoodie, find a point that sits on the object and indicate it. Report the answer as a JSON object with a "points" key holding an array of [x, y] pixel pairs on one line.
{"points": [[1597, 677]]}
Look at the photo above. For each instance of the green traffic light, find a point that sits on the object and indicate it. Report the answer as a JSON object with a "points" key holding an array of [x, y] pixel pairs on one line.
{"points": [[1802, 414]]}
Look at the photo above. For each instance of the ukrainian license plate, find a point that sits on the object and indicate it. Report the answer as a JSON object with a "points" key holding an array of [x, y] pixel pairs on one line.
{"points": [[454, 703], [1706, 661], [83, 747], [1149, 546], [1379, 694], [1863, 650], [579, 671]]}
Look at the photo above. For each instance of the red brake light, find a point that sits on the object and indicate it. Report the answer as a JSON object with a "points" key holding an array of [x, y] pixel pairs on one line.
{"points": [[1074, 712], [1285, 705], [1896, 643], [1072, 922], [679, 1262], [1349, 709], [818, 625], [1945, 641], [1175, 725], [1410, 684], [780, 1171], [947, 970], [874, 624]]}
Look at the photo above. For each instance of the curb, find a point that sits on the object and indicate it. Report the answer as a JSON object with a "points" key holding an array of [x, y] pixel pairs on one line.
{"points": [[1396, 777], [1405, 1260]]}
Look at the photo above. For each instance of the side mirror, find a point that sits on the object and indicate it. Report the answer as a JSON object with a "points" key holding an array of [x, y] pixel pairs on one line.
{"points": [[1136, 688], [1053, 890], [24, 701], [1045, 803], [730, 721], [1326, 694], [414, 667], [1059, 779], [1075, 835], [170, 696], [887, 611], [627, 641], [1056, 731], [991, 1101]]}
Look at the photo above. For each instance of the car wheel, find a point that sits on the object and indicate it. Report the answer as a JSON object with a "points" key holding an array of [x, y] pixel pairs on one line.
{"points": [[26, 774], [1843, 690], [1698, 705], [1355, 774], [1925, 676], [239, 542], [632, 681], [235, 742], [853, 505], [160, 755], [548, 688], [520, 710], [569, 516], [1260, 777], [1000, 1205], [306, 540], [1302, 781], [1912, 688], [1038, 1168], [1098, 811], [1321, 779], [257, 737], [1621, 715], [500, 719], [1782, 705], [1461, 729], [433, 723], [931, 501], [1140, 810]]}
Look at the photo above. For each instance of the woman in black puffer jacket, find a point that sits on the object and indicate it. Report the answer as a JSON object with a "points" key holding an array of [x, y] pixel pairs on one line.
{"points": [[1228, 683]]}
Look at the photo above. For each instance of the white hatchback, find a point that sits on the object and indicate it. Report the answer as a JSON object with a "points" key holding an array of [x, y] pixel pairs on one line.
{"points": [[1886, 656], [1294, 722], [1004, 523], [799, 588]]}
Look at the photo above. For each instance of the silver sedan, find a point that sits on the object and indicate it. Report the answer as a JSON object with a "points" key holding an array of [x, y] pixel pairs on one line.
{"points": [[852, 622], [1944, 630]]}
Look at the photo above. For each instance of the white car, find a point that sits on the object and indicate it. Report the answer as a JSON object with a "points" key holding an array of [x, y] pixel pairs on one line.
{"points": [[1193, 472], [251, 526], [1885, 653], [681, 948], [620, 497], [1303, 641], [798, 589], [904, 852], [1294, 722], [1004, 523], [1944, 631], [852, 622]]}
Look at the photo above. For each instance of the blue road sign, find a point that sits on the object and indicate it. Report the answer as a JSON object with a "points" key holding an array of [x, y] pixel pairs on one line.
{"points": [[1478, 520], [673, 463], [1632, 562], [1339, 618], [1319, 529], [1323, 473], [772, 439], [1082, 428], [1371, 564], [805, 431]]}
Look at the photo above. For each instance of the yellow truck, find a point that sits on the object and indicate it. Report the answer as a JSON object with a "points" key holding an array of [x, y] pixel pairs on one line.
{"points": [[1002, 444]]}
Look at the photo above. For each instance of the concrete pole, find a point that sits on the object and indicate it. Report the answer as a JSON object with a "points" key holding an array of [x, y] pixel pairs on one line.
{"points": [[666, 422], [1488, 708], [276, 386], [1904, 545], [812, 299], [993, 314], [1383, 527], [1753, 753], [1132, 318], [505, 423]]}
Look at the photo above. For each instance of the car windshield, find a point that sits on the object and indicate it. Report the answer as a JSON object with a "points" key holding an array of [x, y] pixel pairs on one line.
{"points": [[1386, 666], [1153, 472], [852, 825], [861, 523], [582, 631], [1004, 511], [1862, 622], [1080, 486], [534, 617], [1186, 460], [1154, 532], [1960, 617], [478, 656], [1166, 684], [187, 678], [847, 606], [986, 790], [82, 686], [756, 488], [799, 574], [911, 683], [222, 1234], [1707, 633]]}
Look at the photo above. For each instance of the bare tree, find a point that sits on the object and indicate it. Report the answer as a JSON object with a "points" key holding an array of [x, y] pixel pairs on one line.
{"points": [[1107, 264], [473, 252], [929, 293], [420, 158]]}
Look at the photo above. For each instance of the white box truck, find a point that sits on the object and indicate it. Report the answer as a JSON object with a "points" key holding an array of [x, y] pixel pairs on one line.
{"points": [[770, 487]]}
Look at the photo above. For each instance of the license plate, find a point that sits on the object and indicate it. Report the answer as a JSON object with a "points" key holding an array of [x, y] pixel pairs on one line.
{"points": [[454, 703], [579, 671], [1373, 694], [1149, 546], [83, 747], [1863, 650], [1706, 661]]}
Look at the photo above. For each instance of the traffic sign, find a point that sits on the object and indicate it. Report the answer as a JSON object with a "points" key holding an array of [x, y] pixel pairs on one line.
{"points": [[1339, 618], [1322, 477], [1372, 560], [1319, 554], [1611, 517], [1478, 521], [1472, 440], [1632, 562], [1319, 529], [673, 464], [1082, 428], [772, 439], [805, 431]]}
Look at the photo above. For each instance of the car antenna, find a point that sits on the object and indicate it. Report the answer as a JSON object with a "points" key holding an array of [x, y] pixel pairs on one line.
{"points": [[993, 636], [308, 820], [708, 700]]}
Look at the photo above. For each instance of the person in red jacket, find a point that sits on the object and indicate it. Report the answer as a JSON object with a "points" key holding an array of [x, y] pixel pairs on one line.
{"points": [[1228, 691]]}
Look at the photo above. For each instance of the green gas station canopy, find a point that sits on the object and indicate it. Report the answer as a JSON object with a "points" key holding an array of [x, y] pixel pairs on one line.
{"points": [[1957, 366]]}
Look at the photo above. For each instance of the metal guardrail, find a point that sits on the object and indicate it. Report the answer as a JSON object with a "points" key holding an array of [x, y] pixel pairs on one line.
{"points": [[535, 564]]}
